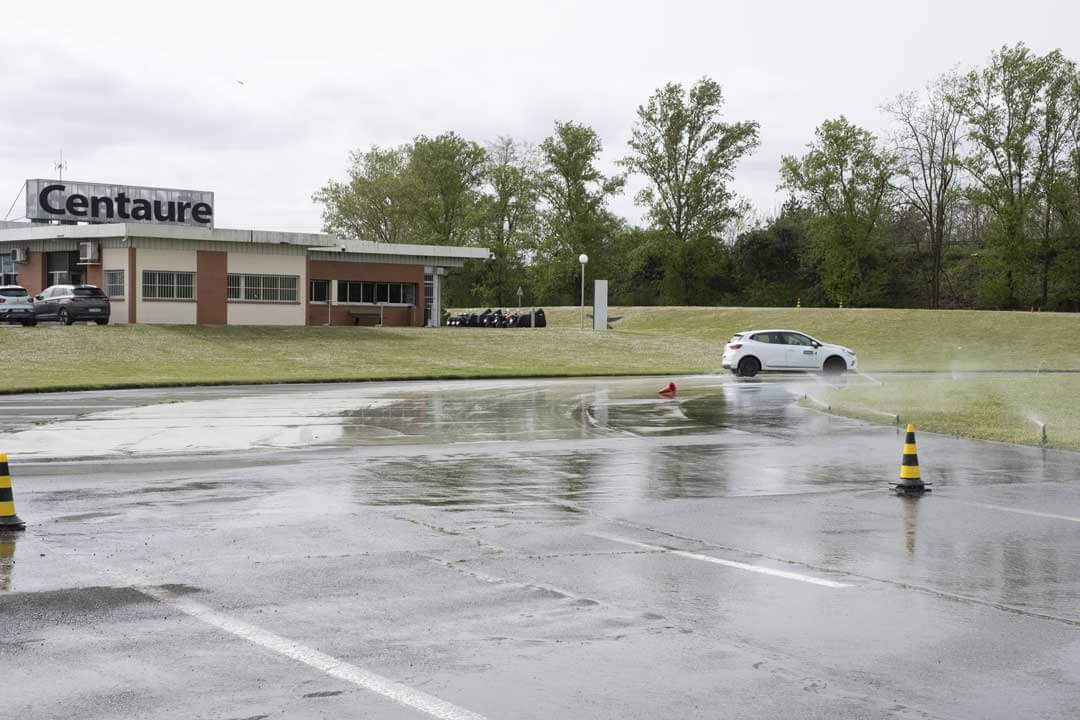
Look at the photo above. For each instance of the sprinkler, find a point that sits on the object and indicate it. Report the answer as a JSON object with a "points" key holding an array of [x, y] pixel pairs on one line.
{"points": [[1042, 430]]}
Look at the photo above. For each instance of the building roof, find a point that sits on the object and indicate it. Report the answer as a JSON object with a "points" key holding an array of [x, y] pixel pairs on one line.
{"points": [[358, 247], [21, 232], [14, 233]]}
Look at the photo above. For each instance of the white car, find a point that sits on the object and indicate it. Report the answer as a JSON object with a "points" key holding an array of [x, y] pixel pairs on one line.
{"points": [[754, 351], [16, 305]]}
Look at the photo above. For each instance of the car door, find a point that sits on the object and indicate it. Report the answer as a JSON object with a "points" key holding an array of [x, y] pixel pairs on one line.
{"points": [[41, 307], [800, 351], [768, 350]]}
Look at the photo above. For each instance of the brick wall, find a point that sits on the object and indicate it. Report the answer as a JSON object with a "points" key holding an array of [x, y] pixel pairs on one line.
{"points": [[370, 272], [32, 273]]}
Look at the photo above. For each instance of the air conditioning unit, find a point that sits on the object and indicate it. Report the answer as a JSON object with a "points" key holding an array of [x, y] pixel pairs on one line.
{"points": [[20, 255], [89, 253]]}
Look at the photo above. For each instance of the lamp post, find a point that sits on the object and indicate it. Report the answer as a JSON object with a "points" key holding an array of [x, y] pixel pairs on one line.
{"points": [[583, 258]]}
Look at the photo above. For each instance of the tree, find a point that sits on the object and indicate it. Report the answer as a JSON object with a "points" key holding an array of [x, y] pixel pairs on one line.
{"points": [[371, 205], [1018, 112], [575, 216], [689, 155], [508, 211], [443, 183], [844, 179], [927, 146], [768, 262]]}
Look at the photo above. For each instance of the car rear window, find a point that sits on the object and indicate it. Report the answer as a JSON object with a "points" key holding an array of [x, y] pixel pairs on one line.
{"points": [[13, 292], [735, 337], [88, 292]]}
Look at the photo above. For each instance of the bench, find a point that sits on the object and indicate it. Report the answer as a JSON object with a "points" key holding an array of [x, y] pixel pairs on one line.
{"points": [[367, 317]]}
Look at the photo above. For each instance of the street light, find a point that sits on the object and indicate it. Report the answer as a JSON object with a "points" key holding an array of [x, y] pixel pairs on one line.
{"points": [[583, 258]]}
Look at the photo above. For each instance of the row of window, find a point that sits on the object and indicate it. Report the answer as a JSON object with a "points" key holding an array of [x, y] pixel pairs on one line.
{"points": [[262, 288], [179, 285], [168, 285], [352, 291]]}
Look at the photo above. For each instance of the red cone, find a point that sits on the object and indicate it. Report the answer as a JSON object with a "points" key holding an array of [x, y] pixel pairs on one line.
{"points": [[668, 390]]}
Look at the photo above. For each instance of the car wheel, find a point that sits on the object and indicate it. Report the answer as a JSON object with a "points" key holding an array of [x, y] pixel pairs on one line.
{"points": [[749, 367], [834, 367], [64, 317], [104, 321], [29, 323]]}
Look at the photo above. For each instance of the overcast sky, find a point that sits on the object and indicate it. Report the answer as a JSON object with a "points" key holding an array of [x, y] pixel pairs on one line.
{"points": [[148, 94]]}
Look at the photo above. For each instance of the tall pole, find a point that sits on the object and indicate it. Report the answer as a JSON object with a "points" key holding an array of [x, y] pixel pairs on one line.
{"points": [[583, 258], [582, 313]]}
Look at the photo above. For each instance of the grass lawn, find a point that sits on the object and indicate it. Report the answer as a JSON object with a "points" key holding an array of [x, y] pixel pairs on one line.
{"points": [[645, 341], [993, 408]]}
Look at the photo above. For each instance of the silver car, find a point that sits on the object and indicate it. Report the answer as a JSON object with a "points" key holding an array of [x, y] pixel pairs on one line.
{"points": [[16, 305]]}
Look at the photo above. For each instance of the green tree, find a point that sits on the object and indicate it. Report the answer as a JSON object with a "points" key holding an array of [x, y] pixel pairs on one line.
{"points": [[927, 146], [508, 220], [575, 217], [372, 205], [1018, 112], [845, 180], [443, 186], [768, 263], [689, 155]]}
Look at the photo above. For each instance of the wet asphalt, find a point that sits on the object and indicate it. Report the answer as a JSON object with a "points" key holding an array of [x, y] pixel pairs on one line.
{"points": [[526, 549]]}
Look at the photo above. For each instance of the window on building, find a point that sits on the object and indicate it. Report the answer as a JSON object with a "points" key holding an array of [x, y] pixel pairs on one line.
{"points": [[168, 285], [232, 287], [429, 294], [9, 270], [354, 291], [319, 291], [262, 288], [114, 283]]}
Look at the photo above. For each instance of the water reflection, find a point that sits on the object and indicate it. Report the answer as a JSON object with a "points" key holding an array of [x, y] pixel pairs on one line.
{"points": [[535, 412], [7, 559], [909, 511]]}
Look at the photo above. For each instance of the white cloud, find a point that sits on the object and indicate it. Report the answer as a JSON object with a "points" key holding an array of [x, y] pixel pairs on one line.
{"points": [[151, 97]]}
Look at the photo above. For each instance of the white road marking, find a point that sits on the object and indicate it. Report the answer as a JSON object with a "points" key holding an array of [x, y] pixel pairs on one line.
{"points": [[729, 563], [333, 667], [1019, 511]]}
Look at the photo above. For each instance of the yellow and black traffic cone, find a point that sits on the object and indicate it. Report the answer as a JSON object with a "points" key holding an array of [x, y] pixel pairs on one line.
{"points": [[910, 481], [8, 519]]}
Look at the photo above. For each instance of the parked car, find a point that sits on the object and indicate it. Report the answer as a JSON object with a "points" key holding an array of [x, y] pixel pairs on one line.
{"points": [[754, 351], [16, 305], [69, 303]]}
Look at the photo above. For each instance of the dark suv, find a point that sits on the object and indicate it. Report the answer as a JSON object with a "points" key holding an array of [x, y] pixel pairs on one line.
{"points": [[68, 303]]}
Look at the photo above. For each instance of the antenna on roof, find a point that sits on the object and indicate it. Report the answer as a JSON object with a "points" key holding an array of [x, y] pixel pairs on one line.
{"points": [[17, 196], [60, 166]]}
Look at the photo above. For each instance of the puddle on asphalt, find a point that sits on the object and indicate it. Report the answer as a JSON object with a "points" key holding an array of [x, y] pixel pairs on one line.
{"points": [[533, 413]]}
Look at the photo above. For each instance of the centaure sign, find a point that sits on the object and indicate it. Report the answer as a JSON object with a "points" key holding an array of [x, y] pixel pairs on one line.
{"points": [[98, 203]]}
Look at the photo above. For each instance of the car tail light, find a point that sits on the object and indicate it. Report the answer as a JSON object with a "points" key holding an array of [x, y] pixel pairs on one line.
{"points": [[735, 346], [3, 300]]}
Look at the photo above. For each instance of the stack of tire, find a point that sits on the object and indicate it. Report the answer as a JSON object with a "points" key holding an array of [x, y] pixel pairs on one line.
{"points": [[499, 319]]}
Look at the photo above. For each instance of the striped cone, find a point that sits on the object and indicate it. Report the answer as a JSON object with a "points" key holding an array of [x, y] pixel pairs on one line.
{"points": [[8, 519], [910, 480]]}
